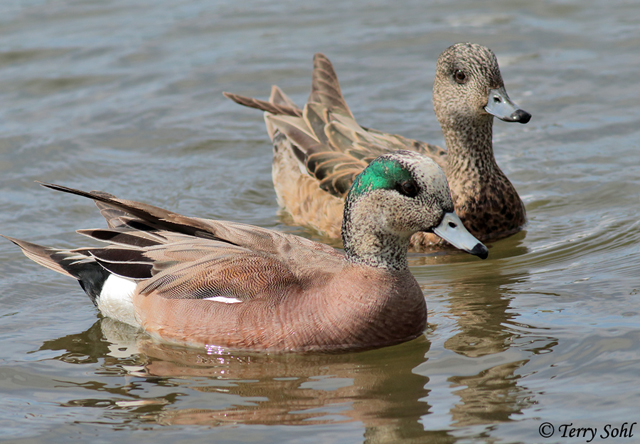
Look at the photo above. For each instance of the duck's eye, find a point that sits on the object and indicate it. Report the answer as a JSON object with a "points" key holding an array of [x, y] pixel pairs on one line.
{"points": [[408, 188], [460, 76]]}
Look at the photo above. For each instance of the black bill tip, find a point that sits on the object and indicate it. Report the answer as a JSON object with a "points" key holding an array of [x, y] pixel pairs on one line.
{"points": [[480, 250], [520, 116]]}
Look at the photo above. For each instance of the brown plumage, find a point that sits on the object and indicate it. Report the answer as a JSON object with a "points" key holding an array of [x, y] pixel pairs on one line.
{"points": [[204, 283], [320, 149]]}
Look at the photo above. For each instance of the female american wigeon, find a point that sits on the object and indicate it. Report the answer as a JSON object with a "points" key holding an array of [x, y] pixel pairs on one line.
{"points": [[210, 283], [319, 150]]}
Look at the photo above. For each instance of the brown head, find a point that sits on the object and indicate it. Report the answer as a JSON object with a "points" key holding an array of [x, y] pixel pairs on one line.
{"points": [[468, 87]]}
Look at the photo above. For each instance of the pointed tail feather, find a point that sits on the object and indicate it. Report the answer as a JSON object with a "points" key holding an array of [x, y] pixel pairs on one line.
{"points": [[278, 97], [44, 255], [325, 87], [262, 105], [77, 264], [158, 217]]}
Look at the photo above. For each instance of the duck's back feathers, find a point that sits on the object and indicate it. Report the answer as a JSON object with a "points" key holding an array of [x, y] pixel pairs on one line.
{"points": [[147, 223]]}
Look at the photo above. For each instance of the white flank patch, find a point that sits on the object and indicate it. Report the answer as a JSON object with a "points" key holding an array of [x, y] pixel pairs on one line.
{"points": [[116, 300], [223, 299]]}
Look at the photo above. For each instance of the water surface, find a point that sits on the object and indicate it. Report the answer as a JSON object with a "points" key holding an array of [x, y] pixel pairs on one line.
{"points": [[126, 97]]}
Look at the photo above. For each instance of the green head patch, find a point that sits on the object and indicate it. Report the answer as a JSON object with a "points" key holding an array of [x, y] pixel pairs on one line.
{"points": [[381, 174]]}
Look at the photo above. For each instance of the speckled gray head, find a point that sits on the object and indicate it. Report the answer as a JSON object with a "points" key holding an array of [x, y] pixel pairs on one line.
{"points": [[397, 195], [468, 81]]}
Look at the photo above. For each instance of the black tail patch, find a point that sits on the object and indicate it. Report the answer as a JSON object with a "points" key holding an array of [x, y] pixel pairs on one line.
{"points": [[91, 278]]}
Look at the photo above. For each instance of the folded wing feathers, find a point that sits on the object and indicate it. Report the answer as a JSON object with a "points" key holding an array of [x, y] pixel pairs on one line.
{"points": [[163, 227], [316, 118], [139, 239], [335, 171], [130, 270], [295, 129], [241, 275], [173, 227], [151, 218], [341, 181], [113, 216]]}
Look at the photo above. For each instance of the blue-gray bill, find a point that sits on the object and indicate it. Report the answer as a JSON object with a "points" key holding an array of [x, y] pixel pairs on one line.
{"points": [[500, 105], [452, 230]]}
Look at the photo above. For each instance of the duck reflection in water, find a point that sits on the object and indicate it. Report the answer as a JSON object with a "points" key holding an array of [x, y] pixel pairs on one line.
{"points": [[375, 388], [490, 344]]}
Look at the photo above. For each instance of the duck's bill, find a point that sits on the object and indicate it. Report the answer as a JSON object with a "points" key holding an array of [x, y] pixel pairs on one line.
{"points": [[500, 105], [452, 230]]}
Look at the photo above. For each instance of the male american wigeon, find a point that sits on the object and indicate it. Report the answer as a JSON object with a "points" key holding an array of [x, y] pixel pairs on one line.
{"points": [[320, 149], [206, 283]]}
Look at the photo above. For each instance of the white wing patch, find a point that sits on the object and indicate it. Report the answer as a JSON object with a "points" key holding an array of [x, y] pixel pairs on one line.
{"points": [[223, 299], [116, 300]]}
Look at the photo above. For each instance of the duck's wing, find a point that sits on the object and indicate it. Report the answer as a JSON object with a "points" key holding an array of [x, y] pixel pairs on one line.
{"points": [[334, 149], [191, 268], [185, 257], [325, 138]]}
